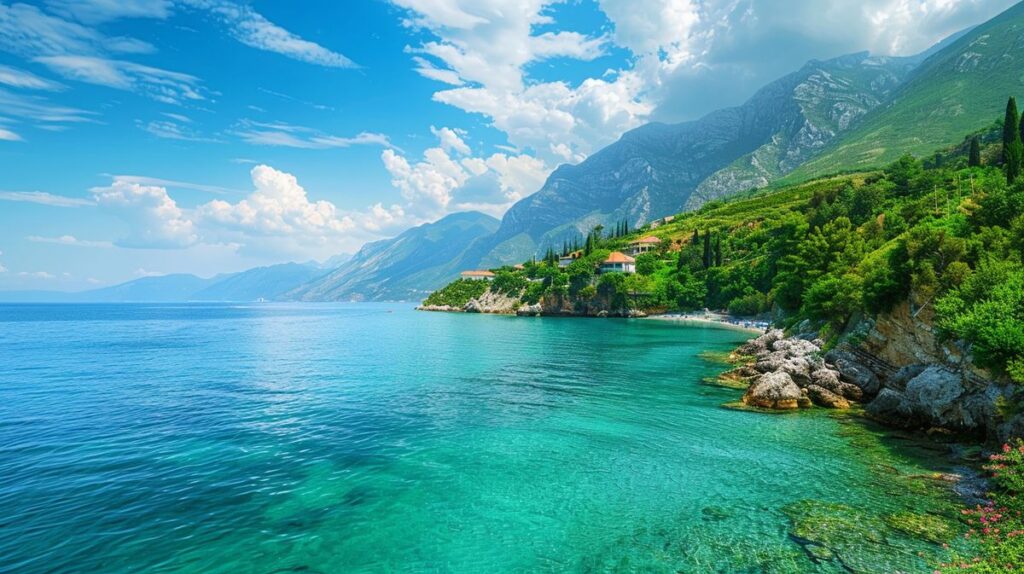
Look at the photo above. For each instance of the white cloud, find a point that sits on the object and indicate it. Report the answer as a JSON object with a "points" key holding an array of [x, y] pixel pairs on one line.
{"points": [[99, 11], [8, 135], [144, 180], [161, 85], [37, 274], [451, 140], [279, 206], [172, 130], [484, 48], [250, 28], [440, 183], [33, 108], [286, 135], [44, 198], [26, 80], [153, 218], [69, 240]]}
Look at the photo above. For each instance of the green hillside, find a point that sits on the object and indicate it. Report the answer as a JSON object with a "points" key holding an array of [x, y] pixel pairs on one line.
{"points": [[945, 236], [951, 94]]}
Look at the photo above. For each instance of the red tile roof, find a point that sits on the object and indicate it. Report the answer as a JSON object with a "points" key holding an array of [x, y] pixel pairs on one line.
{"points": [[477, 274], [617, 257], [647, 240]]}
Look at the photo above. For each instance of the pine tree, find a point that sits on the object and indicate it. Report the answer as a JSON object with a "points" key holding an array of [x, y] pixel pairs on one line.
{"points": [[974, 158], [1013, 149], [707, 249]]}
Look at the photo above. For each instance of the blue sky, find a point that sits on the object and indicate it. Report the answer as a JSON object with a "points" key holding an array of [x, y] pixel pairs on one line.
{"points": [[144, 137]]}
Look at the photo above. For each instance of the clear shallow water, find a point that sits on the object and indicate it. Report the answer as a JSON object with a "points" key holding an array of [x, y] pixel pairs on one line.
{"points": [[371, 438]]}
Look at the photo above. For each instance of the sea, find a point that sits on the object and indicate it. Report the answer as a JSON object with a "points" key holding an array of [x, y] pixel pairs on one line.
{"points": [[365, 437]]}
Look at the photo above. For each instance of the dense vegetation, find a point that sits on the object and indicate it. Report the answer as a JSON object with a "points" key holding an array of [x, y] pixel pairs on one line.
{"points": [[997, 528], [945, 236], [457, 294]]}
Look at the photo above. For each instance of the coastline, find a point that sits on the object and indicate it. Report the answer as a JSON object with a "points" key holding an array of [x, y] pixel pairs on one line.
{"points": [[712, 320]]}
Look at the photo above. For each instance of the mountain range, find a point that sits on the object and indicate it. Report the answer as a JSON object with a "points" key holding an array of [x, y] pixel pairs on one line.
{"points": [[852, 112]]}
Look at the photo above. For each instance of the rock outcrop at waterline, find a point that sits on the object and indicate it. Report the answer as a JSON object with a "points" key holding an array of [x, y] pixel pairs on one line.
{"points": [[791, 373]]}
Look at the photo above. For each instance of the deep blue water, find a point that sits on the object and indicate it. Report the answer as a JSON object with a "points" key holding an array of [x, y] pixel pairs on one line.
{"points": [[372, 438]]}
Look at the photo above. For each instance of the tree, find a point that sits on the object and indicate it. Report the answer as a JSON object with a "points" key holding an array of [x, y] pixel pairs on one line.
{"points": [[1013, 149], [974, 158], [707, 249], [718, 252]]}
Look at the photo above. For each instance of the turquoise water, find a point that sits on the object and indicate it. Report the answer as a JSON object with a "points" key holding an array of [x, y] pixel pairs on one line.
{"points": [[372, 438]]}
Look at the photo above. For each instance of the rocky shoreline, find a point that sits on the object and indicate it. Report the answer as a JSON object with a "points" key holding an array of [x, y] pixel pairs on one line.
{"points": [[794, 373]]}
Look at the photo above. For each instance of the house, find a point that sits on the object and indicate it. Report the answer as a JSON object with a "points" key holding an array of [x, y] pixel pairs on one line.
{"points": [[644, 245], [618, 263], [566, 260], [478, 275]]}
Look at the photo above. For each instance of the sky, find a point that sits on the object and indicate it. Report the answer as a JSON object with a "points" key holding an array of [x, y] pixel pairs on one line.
{"points": [[146, 137]]}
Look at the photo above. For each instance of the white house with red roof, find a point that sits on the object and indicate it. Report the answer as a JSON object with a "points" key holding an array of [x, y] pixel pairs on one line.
{"points": [[618, 262]]}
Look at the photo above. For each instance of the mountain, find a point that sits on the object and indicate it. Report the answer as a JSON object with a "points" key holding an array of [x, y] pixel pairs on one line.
{"points": [[406, 267], [658, 169], [259, 283], [953, 93], [266, 283]]}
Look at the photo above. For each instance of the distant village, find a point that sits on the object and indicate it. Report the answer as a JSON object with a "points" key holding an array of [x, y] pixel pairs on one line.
{"points": [[616, 262]]}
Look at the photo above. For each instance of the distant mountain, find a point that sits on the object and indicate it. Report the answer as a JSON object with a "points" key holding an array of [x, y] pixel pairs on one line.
{"points": [[161, 289], [660, 169], [336, 261], [960, 89], [405, 267], [267, 283], [252, 285]]}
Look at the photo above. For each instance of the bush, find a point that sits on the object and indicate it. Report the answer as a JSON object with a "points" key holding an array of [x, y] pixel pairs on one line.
{"points": [[457, 293], [752, 304]]}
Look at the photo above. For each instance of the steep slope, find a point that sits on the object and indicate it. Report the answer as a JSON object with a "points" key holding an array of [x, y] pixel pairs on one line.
{"points": [[659, 169], [259, 283], [405, 267], [951, 94]]}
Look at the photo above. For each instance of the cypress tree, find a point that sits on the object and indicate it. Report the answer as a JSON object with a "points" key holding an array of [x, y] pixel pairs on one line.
{"points": [[718, 252], [625, 227], [1013, 149], [974, 158], [707, 249]]}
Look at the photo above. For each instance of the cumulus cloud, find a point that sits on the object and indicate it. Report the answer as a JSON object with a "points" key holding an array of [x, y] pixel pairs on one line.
{"points": [[448, 179], [154, 219], [687, 57], [278, 206], [483, 48]]}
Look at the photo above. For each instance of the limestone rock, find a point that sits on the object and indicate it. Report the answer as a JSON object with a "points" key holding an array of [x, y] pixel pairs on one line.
{"points": [[851, 371], [826, 398], [530, 310], [774, 391], [933, 395], [892, 407]]}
